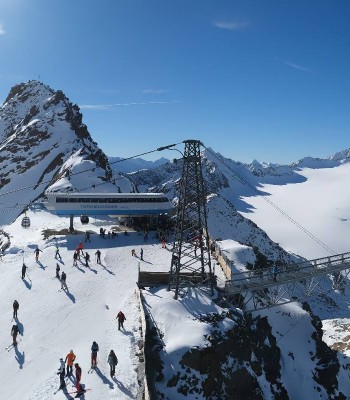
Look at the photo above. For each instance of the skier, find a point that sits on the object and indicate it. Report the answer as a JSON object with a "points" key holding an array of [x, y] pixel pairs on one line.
{"points": [[87, 237], [98, 257], [80, 249], [70, 358], [60, 372], [75, 259], [57, 253], [58, 271], [112, 361], [141, 254], [101, 232], [87, 259], [36, 252], [15, 308], [133, 253], [163, 243], [94, 350], [78, 378], [24, 268], [121, 318], [14, 332], [63, 281]]}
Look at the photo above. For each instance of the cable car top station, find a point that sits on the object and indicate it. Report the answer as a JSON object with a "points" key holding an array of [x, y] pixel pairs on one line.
{"points": [[120, 204], [115, 204]]}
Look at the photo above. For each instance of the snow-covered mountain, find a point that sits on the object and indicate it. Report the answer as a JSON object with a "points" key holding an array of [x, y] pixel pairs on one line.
{"points": [[135, 164], [43, 138], [200, 347]]}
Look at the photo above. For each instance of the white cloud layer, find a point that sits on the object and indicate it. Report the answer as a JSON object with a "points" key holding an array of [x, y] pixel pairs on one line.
{"points": [[230, 25], [296, 66], [2, 31], [154, 91], [106, 106]]}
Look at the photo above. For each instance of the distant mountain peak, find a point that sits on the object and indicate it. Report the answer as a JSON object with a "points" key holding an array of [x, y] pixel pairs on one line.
{"points": [[22, 91]]}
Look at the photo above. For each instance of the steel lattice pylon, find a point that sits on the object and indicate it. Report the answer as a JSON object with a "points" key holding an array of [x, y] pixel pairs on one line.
{"points": [[190, 262]]}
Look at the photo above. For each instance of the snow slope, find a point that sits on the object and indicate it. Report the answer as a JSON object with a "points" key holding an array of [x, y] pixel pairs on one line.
{"points": [[53, 322], [321, 204]]}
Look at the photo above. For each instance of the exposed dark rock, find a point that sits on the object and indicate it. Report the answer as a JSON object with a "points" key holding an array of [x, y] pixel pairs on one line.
{"points": [[327, 365], [232, 362]]}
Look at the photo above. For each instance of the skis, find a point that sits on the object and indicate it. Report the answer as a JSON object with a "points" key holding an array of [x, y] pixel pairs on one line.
{"points": [[8, 348], [78, 393], [61, 388]]}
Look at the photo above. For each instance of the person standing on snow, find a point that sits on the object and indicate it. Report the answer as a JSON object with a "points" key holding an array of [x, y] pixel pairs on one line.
{"points": [[61, 372], [15, 308], [141, 254], [36, 252], [57, 253], [94, 350], [63, 281], [121, 318], [70, 358], [14, 332], [77, 377], [98, 257], [75, 259], [24, 269], [58, 271], [87, 259], [80, 248], [112, 361]]}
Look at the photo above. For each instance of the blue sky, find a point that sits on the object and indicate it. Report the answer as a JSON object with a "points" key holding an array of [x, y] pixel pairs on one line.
{"points": [[265, 80]]}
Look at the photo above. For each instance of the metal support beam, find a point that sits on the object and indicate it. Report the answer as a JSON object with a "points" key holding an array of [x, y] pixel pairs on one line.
{"points": [[191, 256], [71, 227], [259, 288]]}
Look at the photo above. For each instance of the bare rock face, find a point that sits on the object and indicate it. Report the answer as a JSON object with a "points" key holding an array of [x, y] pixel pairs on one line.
{"points": [[233, 363], [326, 372], [248, 362]]}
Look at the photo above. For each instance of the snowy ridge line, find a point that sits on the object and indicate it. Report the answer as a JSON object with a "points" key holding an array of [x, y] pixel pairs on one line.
{"points": [[89, 169], [296, 223], [146, 394]]}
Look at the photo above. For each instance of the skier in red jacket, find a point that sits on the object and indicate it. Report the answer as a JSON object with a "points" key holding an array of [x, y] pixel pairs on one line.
{"points": [[121, 318], [78, 378]]}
